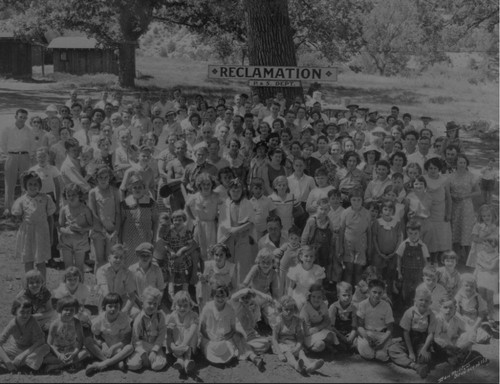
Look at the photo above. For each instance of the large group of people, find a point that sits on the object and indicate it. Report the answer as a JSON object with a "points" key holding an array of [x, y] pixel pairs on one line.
{"points": [[208, 223]]}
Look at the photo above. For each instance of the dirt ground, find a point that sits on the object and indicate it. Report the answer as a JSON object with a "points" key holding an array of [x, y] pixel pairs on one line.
{"points": [[338, 368]]}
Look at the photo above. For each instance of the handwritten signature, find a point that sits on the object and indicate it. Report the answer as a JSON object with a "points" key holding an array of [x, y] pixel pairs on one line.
{"points": [[464, 369]]}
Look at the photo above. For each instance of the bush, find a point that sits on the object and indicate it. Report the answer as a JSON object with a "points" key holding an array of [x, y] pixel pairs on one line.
{"points": [[148, 39], [163, 52], [171, 46], [441, 99]]}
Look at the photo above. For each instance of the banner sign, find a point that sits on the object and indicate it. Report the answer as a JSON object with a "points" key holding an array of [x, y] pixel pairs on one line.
{"points": [[274, 83], [243, 72]]}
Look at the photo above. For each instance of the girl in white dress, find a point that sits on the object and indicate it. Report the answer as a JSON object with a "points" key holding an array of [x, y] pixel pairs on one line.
{"points": [[304, 275]]}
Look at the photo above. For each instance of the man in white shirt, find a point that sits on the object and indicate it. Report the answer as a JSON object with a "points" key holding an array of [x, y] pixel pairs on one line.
{"points": [[300, 186], [410, 143], [182, 118], [275, 109], [236, 130], [238, 107], [104, 99], [18, 143], [227, 121], [210, 119], [73, 98], [214, 151], [256, 105], [266, 110], [76, 115], [163, 104], [82, 135], [422, 154]]}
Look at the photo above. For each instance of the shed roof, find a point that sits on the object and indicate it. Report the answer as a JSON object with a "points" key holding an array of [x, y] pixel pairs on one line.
{"points": [[73, 42]]}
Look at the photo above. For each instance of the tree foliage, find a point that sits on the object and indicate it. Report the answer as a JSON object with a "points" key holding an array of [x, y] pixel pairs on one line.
{"points": [[207, 17], [471, 14], [391, 33], [333, 27]]}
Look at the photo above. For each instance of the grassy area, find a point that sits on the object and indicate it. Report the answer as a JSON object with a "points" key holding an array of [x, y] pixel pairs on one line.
{"points": [[444, 95]]}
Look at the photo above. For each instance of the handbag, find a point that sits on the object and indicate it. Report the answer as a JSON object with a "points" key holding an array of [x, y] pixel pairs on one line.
{"points": [[297, 210]]}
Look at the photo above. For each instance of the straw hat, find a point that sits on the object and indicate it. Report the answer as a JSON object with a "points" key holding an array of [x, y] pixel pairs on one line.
{"points": [[220, 352]]}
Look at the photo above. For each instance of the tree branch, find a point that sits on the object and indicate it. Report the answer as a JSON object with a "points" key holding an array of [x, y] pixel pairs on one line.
{"points": [[178, 22]]}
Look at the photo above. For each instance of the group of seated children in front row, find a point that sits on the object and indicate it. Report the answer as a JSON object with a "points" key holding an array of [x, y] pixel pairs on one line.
{"points": [[132, 330]]}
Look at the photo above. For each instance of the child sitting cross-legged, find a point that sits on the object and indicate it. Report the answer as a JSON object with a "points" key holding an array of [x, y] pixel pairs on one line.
{"points": [[182, 332], [317, 331], [343, 317], [66, 337], [112, 333], [148, 333], [247, 310], [218, 328], [375, 323], [419, 325], [472, 309], [22, 342], [288, 338], [447, 343]]}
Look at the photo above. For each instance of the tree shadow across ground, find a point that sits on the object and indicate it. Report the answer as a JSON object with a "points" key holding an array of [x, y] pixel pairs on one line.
{"points": [[31, 100]]}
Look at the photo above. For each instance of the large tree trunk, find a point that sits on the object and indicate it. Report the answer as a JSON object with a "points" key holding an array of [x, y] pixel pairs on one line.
{"points": [[126, 64], [270, 41]]}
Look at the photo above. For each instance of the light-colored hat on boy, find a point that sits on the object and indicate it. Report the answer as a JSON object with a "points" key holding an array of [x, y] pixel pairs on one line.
{"points": [[145, 248]]}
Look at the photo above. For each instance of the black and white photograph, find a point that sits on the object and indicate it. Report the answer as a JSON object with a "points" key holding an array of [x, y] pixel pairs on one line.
{"points": [[236, 191]]}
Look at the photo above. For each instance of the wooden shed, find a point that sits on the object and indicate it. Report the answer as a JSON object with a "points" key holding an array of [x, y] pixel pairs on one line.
{"points": [[15, 57], [79, 55]]}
